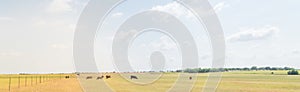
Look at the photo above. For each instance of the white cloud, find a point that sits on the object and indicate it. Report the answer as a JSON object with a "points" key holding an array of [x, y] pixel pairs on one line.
{"points": [[58, 25], [72, 27], [118, 14], [174, 8], [205, 57], [58, 6], [254, 34], [59, 46], [220, 6], [6, 19], [180, 11], [10, 53], [296, 51], [164, 43]]}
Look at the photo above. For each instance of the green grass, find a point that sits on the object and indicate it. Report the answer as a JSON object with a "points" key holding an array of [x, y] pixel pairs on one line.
{"points": [[259, 81]]}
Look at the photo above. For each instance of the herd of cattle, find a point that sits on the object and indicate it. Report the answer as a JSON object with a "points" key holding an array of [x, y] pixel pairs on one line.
{"points": [[108, 76], [101, 77], [98, 78]]}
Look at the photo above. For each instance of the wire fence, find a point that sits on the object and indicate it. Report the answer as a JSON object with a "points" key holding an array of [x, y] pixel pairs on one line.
{"points": [[10, 82]]}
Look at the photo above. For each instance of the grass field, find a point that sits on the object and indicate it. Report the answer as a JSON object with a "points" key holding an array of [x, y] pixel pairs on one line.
{"points": [[39, 83], [239, 81]]}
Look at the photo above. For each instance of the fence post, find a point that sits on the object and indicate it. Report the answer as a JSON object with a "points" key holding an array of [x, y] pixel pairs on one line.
{"points": [[31, 81], [35, 79], [26, 81], [19, 81], [9, 84], [40, 79]]}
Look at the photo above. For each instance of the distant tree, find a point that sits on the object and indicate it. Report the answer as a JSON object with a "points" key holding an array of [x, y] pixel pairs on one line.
{"points": [[280, 68], [190, 70], [178, 71], [238, 69], [246, 69], [293, 72], [261, 68], [226, 69], [267, 68], [274, 68], [287, 68], [254, 68]]}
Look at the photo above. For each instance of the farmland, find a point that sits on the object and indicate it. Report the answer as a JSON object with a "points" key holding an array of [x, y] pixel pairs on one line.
{"points": [[237, 81]]}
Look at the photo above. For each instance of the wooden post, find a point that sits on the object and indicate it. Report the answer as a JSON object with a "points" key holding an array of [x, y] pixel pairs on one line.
{"points": [[35, 79], [25, 81], [40, 79], [9, 84], [31, 81], [19, 82]]}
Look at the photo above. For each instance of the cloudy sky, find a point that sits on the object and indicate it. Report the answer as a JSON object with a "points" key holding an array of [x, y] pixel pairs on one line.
{"points": [[37, 36]]}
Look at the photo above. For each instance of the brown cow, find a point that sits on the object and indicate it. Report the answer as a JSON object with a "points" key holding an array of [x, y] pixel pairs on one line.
{"points": [[89, 77], [107, 76], [133, 77], [98, 78]]}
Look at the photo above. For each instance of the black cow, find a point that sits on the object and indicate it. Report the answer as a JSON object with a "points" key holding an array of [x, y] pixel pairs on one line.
{"points": [[191, 78], [133, 77], [67, 77], [98, 78], [107, 76], [89, 77]]}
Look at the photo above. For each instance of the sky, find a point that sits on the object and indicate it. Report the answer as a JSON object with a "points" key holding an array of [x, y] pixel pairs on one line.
{"points": [[37, 36]]}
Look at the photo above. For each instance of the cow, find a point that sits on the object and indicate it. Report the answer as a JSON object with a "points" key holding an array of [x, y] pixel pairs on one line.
{"points": [[190, 78], [98, 78], [133, 77], [107, 76], [89, 77], [67, 77]]}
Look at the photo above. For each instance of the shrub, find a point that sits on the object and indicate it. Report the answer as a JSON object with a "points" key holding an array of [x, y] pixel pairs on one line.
{"points": [[293, 72]]}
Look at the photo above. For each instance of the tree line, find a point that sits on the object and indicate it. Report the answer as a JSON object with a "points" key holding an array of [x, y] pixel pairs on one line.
{"points": [[253, 68]]}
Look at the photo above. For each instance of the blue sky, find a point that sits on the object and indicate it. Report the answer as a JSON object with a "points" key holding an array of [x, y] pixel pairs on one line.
{"points": [[37, 36]]}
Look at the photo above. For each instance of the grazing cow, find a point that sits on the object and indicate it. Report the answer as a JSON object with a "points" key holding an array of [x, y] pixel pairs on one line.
{"points": [[89, 77], [67, 77], [98, 78], [133, 77], [107, 76]]}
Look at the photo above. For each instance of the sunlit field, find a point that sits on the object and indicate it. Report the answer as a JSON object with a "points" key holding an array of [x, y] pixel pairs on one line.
{"points": [[237, 81], [39, 83]]}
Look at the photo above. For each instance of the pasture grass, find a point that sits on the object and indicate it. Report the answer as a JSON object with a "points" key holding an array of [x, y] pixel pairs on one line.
{"points": [[236, 81]]}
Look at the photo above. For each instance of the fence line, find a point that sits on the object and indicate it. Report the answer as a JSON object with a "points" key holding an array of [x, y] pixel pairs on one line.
{"points": [[18, 81]]}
